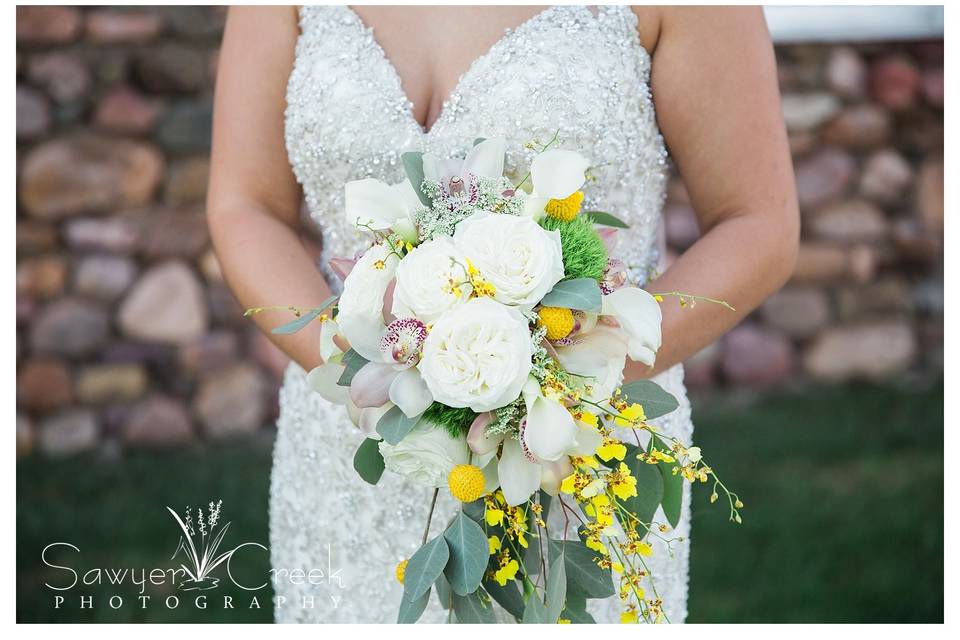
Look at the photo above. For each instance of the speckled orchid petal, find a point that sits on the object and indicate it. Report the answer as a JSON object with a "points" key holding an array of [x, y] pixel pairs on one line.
{"points": [[477, 438], [485, 159]]}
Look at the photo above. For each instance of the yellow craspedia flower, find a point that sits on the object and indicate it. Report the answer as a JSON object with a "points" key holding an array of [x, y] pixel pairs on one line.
{"points": [[401, 570], [567, 209], [466, 482], [557, 321]]}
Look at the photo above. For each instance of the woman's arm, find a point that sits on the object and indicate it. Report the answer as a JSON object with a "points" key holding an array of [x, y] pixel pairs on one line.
{"points": [[714, 83], [253, 201]]}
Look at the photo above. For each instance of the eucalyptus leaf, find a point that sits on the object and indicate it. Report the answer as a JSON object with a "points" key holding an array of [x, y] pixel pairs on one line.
{"points": [[582, 294], [576, 611], [583, 575], [410, 612], [649, 487], [606, 219], [472, 609], [475, 510], [469, 552], [648, 394], [368, 461], [394, 425], [413, 166], [295, 325], [508, 596], [536, 612], [672, 485], [444, 594], [556, 588], [352, 362], [424, 568]]}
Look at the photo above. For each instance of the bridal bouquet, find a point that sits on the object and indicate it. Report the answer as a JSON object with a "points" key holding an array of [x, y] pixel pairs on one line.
{"points": [[480, 343]]}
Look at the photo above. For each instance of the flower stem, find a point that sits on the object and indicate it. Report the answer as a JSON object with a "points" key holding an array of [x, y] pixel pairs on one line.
{"points": [[426, 530]]}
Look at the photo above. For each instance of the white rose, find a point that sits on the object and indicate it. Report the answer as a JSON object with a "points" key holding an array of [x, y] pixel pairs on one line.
{"points": [[426, 455], [423, 281], [360, 315], [520, 258], [477, 356]]}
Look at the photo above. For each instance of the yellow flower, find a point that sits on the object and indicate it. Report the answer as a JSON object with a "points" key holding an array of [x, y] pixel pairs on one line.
{"points": [[628, 617], [494, 543], [466, 482], [567, 209], [569, 484], [587, 418], [558, 322], [630, 416], [621, 482], [401, 570], [506, 572], [644, 549], [611, 449], [563, 621], [593, 542], [584, 462], [616, 566], [493, 516]]}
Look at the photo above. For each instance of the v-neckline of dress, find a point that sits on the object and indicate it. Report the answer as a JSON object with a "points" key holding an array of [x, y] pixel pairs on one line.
{"points": [[426, 132]]}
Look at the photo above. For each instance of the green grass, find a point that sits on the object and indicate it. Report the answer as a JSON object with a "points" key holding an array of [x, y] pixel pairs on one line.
{"points": [[843, 521]]}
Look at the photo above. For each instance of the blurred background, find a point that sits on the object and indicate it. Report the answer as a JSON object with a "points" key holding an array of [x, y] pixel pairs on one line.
{"points": [[140, 385]]}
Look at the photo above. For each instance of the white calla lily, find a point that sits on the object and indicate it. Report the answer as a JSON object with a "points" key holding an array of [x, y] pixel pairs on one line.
{"points": [[329, 350], [549, 430], [557, 173], [519, 477], [638, 314]]}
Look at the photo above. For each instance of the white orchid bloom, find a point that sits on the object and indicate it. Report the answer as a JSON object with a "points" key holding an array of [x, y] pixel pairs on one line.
{"points": [[323, 380], [381, 206], [360, 317], [553, 473], [519, 477], [556, 174], [484, 160], [599, 356], [638, 314], [549, 430]]}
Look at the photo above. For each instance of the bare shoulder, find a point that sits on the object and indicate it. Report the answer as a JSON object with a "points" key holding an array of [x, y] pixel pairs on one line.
{"points": [[658, 23]]}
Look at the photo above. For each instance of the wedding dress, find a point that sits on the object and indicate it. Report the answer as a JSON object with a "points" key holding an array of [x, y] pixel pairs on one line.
{"points": [[335, 540]]}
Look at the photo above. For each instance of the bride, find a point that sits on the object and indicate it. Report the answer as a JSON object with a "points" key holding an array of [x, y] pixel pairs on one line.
{"points": [[310, 98]]}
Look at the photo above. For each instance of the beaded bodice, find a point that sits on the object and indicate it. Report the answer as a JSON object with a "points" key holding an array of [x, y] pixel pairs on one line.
{"points": [[578, 71]]}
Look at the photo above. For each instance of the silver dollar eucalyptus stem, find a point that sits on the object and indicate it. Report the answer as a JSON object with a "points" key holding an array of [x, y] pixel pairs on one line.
{"points": [[426, 530]]}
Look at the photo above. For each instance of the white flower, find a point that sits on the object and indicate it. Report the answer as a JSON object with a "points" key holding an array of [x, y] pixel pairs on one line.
{"points": [[426, 455], [694, 454], [381, 206], [548, 431], [598, 355], [517, 256], [360, 316], [423, 281], [484, 160], [477, 356], [555, 174], [639, 316]]}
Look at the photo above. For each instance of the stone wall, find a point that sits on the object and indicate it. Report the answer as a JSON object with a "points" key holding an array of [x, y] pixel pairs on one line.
{"points": [[128, 336]]}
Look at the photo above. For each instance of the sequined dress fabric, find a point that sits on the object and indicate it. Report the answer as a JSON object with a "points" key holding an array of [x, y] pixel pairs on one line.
{"points": [[335, 540]]}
